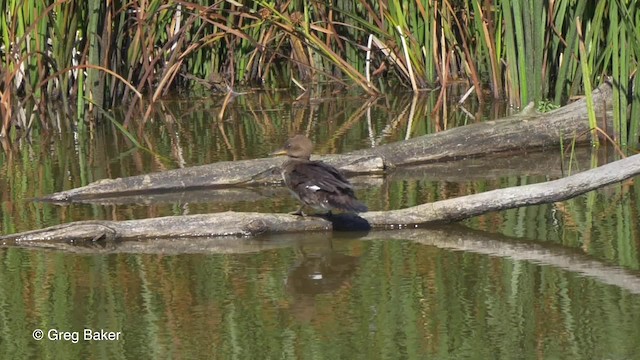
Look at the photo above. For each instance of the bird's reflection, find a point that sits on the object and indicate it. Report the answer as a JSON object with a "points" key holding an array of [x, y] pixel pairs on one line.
{"points": [[319, 270]]}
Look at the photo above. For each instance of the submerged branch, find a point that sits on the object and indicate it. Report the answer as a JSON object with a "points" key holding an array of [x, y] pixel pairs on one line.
{"points": [[253, 224]]}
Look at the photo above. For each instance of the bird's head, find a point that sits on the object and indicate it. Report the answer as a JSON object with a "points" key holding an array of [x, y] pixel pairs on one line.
{"points": [[297, 147]]}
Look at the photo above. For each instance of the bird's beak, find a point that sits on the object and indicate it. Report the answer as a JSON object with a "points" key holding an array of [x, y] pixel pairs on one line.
{"points": [[279, 152]]}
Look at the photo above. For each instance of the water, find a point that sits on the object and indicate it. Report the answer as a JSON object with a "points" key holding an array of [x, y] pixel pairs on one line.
{"points": [[315, 296], [550, 281]]}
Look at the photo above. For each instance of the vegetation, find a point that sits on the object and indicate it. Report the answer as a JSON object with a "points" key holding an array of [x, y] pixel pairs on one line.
{"points": [[80, 56], [67, 60]]}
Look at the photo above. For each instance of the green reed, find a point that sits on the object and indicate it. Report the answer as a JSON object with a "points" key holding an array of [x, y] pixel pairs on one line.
{"points": [[82, 53]]}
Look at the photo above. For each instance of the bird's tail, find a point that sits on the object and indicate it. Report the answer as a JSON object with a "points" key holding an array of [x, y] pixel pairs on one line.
{"points": [[348, 203]]}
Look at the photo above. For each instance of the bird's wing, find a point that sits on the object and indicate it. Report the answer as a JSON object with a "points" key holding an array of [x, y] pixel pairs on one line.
{"points": [[318, 174]]}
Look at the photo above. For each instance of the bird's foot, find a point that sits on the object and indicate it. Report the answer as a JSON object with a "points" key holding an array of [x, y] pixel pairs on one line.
{"points": [[298, 212]]}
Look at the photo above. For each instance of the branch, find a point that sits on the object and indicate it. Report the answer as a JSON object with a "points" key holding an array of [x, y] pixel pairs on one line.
{"points": [[253, 224]]}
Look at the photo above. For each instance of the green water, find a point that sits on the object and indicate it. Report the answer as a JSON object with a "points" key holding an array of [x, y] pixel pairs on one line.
{"points": [[316, 297], [557, 281]]}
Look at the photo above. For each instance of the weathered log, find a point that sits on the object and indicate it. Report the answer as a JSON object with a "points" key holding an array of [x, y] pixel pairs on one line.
{"points": [[221, 174], [520, 132], [549, 164], [253, 224]]}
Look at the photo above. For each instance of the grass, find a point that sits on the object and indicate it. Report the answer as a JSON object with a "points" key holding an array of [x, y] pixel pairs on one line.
{"points": [[69, 55]]}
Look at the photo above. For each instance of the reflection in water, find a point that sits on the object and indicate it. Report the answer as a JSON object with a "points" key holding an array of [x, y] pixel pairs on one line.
{"points": [[317, 271], [282, 297], [313, 297], [320, 273]]}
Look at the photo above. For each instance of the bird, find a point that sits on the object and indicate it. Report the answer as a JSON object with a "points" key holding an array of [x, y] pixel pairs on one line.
{"points": [[315, 183]]}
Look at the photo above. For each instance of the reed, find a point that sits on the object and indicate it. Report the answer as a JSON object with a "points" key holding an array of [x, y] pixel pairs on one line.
{"points": [[71, 54]]}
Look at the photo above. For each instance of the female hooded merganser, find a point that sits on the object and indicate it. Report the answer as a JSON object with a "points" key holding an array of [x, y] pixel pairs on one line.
{"points": [[315, 183]]}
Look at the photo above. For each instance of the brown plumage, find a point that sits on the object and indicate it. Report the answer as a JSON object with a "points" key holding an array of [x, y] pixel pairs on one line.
{"points": [[315, 183]]}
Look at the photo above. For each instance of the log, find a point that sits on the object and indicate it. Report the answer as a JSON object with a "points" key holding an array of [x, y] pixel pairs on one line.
{"points": [[522, 132], [211, 176], [253, 224], [549, 164]]}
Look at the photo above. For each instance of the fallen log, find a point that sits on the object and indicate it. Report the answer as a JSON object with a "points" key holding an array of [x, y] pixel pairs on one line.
{"points": [[211, 176], [254, 224], [549, 164], [525, 131]]}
